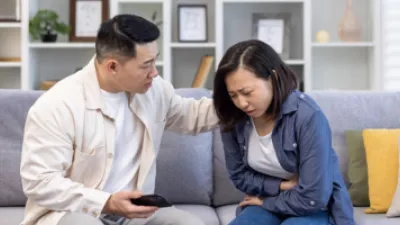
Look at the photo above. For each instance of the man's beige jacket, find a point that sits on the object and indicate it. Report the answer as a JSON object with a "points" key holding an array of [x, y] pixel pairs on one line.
{"points": [[68, 144]]}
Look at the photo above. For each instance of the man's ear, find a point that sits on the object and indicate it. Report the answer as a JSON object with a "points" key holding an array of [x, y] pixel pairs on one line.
{"points": [[112, 66]]}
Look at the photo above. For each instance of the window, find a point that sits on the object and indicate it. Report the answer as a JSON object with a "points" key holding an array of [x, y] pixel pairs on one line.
{"points": [[391, 44]]}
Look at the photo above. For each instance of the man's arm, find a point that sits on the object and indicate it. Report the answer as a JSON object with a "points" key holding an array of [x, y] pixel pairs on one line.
{"points": [[243, 177], [315, 173], [187, 115], [47, 155]]}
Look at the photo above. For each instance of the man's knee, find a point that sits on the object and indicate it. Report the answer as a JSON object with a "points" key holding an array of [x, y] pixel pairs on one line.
{"points": [[174, 216], [79, 218]]}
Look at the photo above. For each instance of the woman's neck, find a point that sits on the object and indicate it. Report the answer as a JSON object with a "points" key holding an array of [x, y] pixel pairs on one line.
{"points": [[264, 124]]}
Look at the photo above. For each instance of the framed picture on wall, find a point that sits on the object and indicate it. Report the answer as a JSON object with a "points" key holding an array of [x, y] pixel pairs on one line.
{"points": [[192, 23], [273, 29], [10, 11], [85, 18]]}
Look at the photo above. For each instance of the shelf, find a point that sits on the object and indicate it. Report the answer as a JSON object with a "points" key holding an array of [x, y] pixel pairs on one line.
{"points": [[159, 63], [10, 64], [140, 1], [10, 25], [348, 44], [192, 45], [295, 62], [61, 45], [263, 1]]}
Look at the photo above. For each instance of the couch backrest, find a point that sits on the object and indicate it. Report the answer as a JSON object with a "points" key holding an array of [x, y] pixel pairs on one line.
{"points": [[348, 110], [14, 106], [184, 171], [184, 163], [224, 191], [345, 110]]}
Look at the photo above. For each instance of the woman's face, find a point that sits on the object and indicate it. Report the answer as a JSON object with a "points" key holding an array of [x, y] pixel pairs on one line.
{"points": [[249, 93]]}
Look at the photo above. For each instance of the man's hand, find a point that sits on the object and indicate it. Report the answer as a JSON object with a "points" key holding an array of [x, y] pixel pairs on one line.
{"points": [[287, 185], [251, 200], [120, 204]]}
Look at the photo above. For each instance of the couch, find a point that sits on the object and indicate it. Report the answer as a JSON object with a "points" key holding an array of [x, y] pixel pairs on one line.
{"points": [[191, 169]]}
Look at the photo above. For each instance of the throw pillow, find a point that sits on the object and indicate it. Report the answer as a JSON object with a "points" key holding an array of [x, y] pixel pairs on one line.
{"points": [[383, 165], [357, 168], [394, 209]]}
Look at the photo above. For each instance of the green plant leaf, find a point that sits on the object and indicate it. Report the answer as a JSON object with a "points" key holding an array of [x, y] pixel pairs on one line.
{"points": [[46, 21]]}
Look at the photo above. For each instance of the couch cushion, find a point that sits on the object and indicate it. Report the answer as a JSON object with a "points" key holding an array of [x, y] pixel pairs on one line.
{"points": [[373, 219], [383, 166], [11, 215], [14, 108], [205, 213], [225, 192], [184, 164], [357, 168], [226, 213], [348, 110]]}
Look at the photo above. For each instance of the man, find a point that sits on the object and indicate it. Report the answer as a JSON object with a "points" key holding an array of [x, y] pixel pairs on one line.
{"points": [[91, 141]]}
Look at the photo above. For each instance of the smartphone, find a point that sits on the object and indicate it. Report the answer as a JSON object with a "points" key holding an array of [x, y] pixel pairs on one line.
{"points": [[151, 200]]}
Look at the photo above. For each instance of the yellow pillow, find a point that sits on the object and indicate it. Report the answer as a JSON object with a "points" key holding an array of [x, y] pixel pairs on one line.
{"points": [[383, 166]]}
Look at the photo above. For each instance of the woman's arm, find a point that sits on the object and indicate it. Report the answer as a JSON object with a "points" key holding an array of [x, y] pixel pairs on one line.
{"points": [[315, 173], [243, 177]]}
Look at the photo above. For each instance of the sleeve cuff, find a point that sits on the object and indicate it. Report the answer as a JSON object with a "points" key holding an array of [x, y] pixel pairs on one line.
{"points": [[95, 201], [269, 203], [272, 186]]}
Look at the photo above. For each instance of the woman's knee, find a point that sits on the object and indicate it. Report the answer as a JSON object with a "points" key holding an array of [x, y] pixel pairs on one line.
{"points": [[320, 218], [255, 215]]}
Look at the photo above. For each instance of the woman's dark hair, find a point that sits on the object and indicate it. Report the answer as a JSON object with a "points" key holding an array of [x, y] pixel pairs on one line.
{"points": [[119, 36], [265, 63]]}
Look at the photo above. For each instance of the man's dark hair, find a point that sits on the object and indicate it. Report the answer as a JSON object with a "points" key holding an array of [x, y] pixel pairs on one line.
{"points": [[119, 36], [265, 63]]}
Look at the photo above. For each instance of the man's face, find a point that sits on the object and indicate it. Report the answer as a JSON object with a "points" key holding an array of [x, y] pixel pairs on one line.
{"points": [[136, 75]]}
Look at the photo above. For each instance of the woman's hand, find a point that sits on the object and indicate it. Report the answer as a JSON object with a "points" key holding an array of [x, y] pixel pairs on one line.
{"points": [[287, 185], [251, 200]]}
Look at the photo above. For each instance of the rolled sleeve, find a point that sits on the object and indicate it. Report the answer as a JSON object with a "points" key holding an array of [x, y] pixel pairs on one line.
{"points": [[188, 115], [315, 172]]}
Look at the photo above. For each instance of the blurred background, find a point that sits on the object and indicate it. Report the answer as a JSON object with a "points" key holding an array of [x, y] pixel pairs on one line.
{"points": [[330, 44]]}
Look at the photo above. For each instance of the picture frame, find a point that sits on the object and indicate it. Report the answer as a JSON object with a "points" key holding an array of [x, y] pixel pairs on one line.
{"points": [[10, 11], [192, 23], [85, 18], [273, 29]]}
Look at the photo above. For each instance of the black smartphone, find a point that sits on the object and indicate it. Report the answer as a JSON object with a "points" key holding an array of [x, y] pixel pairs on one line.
{"points": [[151, 200]]}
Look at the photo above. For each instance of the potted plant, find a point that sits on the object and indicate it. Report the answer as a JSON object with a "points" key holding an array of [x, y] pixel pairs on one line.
{"points": [[45, 26]]}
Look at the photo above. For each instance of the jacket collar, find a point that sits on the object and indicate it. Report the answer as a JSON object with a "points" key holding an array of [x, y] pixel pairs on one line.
{"points": [[91, 87], [291, 103], [92, 91]]}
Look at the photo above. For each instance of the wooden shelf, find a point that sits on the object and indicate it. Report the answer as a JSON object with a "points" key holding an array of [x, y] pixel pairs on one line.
{"points": [[10, 64], [344, 44], [140, 1], [40, 45], [263, 1], [295, 62], [159, 63], [192, 45], [10, 25]]}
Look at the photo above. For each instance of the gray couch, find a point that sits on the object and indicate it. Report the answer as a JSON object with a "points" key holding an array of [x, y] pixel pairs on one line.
{"points": [[191, 170]]}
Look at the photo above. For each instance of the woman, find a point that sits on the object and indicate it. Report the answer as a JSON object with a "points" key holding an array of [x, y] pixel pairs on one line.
{"points": [[277, 143]]}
